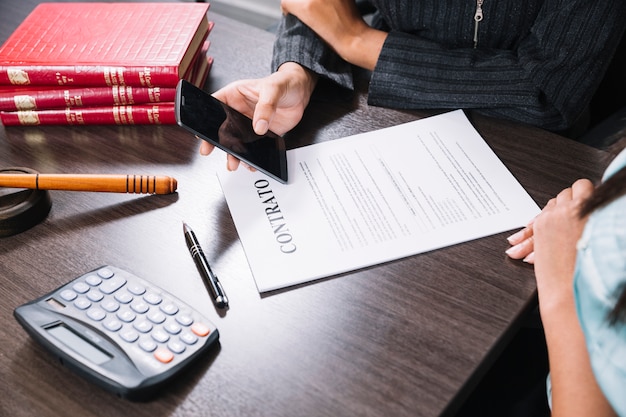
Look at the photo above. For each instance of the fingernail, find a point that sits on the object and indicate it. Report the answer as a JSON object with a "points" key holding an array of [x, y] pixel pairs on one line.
{"points": [[512, 250], [530, 258], [515, 236], [261, 127]]}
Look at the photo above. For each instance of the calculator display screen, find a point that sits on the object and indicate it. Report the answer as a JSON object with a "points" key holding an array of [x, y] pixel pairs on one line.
{"points": [[79, 345]]}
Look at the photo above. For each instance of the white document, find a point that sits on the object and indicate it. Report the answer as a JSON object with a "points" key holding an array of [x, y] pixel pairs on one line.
{"points": [[371, 198]]}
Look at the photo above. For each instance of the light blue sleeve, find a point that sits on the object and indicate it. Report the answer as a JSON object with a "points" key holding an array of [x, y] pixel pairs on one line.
{"points": [[599, 278]]}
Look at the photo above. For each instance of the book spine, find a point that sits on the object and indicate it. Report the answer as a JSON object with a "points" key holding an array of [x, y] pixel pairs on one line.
{"points": [[159, 113], [53, 98], [61, 76]]}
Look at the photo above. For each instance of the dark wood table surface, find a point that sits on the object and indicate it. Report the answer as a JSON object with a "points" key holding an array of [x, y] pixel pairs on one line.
{"points": [[406, 338]]}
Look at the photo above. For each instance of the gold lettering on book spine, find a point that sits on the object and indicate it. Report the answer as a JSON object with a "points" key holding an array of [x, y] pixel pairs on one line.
{"points": [[28, 117], [145, 77], [113, 76], [122, 95], [74, 117], [24, 102], [123, 115], [18, 76], [154, 116]]}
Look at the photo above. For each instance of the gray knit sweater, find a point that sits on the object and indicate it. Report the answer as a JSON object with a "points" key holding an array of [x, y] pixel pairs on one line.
{"points": [[536, 61]]}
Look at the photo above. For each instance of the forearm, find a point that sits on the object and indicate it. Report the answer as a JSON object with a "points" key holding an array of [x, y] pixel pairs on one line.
{"points": [[359, 45], [574, 388], [295, 42]]}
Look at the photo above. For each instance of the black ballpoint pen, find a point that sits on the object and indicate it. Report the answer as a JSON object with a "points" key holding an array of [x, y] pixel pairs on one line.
{"points": [[209, 278]]}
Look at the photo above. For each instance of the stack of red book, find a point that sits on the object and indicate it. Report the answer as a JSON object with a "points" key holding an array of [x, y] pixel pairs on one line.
{"points": [[102, 63]]}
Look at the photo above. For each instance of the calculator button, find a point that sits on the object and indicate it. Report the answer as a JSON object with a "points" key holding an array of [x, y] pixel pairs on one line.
{"points": [[140, 307], [124, 297], [112, 285], [169, 308], [126, 315], [152, 298], [143, 326], [176, 347], [80, 287], [93, 280], [156, 317], [105, 273], [110, 305], [136, 289], [96, 314], [147, 345], [200, 329], [172, 328], [163, 355], [129, 335], [112, 324], [184, 319], [68, 295], [95, 296], [82, 303], [160, 336], [188, 338]]}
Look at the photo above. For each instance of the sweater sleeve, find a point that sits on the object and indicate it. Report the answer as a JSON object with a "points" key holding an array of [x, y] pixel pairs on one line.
{"points": [[295, 42], [547, 80]]}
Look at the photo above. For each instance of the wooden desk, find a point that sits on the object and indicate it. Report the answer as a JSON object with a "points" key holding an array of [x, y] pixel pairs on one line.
{"points": [[407, 338]]}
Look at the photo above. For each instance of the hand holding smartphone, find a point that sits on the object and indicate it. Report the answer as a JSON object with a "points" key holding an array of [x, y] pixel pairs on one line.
{"points": [[226, 128]]}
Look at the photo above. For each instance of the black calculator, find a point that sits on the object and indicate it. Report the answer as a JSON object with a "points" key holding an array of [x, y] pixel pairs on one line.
{"points": [[117, 330]]}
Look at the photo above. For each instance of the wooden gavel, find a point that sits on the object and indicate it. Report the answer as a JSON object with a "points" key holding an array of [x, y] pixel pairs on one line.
{"points": [[138, 184]]}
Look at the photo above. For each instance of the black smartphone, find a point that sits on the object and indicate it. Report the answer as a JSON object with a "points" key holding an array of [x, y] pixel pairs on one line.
{"points": [[211, 120]]}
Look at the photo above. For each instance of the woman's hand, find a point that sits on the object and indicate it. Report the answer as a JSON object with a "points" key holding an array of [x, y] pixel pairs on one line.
{"points": [[276, 102], [557, 229], [523, 241], [340, 25]]}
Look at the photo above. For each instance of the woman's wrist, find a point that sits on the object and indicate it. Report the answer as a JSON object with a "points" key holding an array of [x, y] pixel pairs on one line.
{"points": [[301, 75]]}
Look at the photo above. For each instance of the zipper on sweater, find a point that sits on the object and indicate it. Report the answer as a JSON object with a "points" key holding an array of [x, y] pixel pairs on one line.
{"points": [[478, 17]]}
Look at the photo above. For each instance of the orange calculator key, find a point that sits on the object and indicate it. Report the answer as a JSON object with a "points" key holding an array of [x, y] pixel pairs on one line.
{"points": [[200, 329], [163, 355]]}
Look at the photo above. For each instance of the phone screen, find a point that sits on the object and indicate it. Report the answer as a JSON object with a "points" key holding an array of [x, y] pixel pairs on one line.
{"points": [[229, 130]]}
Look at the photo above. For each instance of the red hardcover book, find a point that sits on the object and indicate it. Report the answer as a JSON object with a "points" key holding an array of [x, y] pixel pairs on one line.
{"points": [[52, 97], [158, 113], [104, 44], [15, 99]]}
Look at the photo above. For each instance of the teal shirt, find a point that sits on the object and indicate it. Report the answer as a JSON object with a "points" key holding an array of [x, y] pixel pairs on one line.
{"points": [[599, 279]]}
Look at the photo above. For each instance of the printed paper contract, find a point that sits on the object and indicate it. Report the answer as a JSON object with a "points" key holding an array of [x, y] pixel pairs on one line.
{"points": [[372, 198]]}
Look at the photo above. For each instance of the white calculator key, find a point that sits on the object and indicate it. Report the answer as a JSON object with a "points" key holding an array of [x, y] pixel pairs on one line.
{"points": [[189, 338], [156, 317], [124, 297], [112, 324], [95, 296], [80, 287], [110, 305], [126, 315], [112, 285], [148, 345], [82, 303], [140, 306], [68, 295], [96, 314], [169, 308], [152, 298], [172, 328], [160, 336], [143, 326], [129, 335], [176, 347], [93, 280], [105, 273], [136, 288]]}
